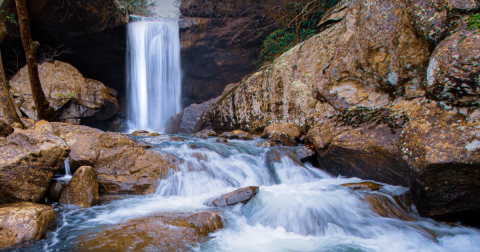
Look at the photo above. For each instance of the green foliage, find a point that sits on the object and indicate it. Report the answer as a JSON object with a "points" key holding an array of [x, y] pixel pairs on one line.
{"points": [[10, 18], [284, 38], [71, 96], [139, 7], [473, 22], [280, 41], [358, 116]]}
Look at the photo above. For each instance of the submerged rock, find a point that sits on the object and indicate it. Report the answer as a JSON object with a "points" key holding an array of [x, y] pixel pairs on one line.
{"points": [[164, 232], [237, 134], [287, 134], [29, 160], [267, 144], [24, 222], [82, 190], [75, 98], [205, 134], [242, 195], [363, 186]]}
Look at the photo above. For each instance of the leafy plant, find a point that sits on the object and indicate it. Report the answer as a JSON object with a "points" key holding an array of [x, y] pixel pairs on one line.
{"points": [[10, 18], [71, 96], [473, 22]]}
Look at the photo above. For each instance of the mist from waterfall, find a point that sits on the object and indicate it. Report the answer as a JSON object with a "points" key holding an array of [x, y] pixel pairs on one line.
{"points": [[153, 72]]}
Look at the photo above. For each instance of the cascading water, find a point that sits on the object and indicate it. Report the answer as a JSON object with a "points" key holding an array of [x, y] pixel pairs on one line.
{"points": [[298, 207], [68, 173], [153, 72]]}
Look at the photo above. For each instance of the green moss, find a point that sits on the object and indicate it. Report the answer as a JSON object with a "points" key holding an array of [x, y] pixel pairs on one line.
{"points": [[358, 116]]}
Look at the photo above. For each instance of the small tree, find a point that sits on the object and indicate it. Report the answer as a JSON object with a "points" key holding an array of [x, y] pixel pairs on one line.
{"points": [[6, 103], [44, 111]]}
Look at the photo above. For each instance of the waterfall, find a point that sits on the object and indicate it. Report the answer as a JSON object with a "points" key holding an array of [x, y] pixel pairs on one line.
{"points": [[67, 167], [153, 72]]}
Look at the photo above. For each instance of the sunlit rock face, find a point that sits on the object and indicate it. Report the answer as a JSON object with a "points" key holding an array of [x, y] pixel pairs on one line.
{"points": [[373, 83], [74, 97]]}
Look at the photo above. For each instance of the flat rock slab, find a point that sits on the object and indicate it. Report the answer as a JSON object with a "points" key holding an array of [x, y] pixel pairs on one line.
{"points": [[239, 196]]}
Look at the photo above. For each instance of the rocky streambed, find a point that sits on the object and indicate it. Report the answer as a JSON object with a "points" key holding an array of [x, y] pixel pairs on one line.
{"points": [[203, 192]]}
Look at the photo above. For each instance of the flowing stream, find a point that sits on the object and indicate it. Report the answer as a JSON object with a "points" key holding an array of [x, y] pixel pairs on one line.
{"points": [[298, 207], [153, 72]]}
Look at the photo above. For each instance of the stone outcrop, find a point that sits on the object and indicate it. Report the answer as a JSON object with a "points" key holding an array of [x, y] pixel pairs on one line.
{"points": [[220, 40], [24, 222], [164, 232], [29, 161], [75, 98], [387, 91], [242, 195], [82, 190], [5, 129], [287, 134], [192, 119], [124, 166]]}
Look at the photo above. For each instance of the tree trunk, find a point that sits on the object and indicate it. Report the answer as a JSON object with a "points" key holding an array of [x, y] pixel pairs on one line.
{"points": [[41, 103], [6, 103]]}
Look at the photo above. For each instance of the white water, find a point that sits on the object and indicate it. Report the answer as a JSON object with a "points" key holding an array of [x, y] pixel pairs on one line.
{"points": [[68, 173], [153, 72], [298, 208]]}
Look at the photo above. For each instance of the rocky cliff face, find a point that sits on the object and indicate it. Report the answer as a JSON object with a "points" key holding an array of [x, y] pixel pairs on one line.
{"points": [[382, 94], [220, 39]]}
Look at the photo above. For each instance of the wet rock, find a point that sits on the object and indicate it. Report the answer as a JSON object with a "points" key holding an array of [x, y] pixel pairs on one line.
{"points": [[441, 149], [221, 140], [305, 152], [267, 144], [5, 129], [82, 189], [277, 154], [29, 161], [287, 134], [55, 190], [369, 152], [385, 206], [107, 199], [205, 134], [237, 134], [164, 232], [239, 196], [24, 222], [75, 98], [454, 70], [145, 133], [124, 166], [371, 186]]}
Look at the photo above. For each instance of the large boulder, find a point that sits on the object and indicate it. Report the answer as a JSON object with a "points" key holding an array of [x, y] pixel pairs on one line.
{"points": [[29, 161], [364, 57], [82, 189], [24, 222], [124, 166], [75, 98], [454, 70], [442, 151], [164, 232]]}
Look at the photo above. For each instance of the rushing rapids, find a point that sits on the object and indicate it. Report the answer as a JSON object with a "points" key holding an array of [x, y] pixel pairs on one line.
{"points": [[153, 72], [297, 208]]}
